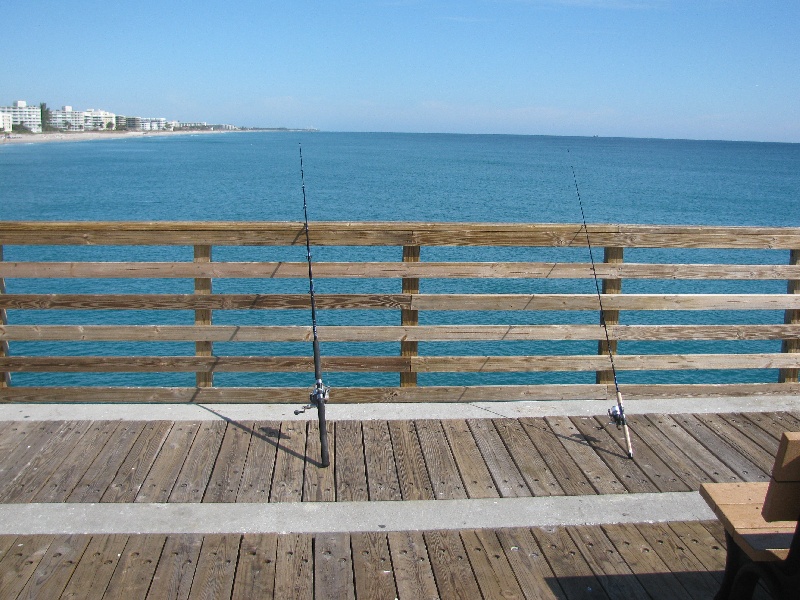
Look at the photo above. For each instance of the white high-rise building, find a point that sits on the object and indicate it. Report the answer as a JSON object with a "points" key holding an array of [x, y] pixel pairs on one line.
{"points": [[68, 119], [6, 123], [98, 119], [29, 117]]}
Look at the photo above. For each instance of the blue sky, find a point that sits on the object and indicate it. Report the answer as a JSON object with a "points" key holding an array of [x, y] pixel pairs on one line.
{"points": [[704, 69]]}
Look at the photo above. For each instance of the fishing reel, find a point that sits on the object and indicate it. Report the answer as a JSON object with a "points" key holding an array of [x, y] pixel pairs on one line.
{"points": [[319, 396], [617, 415]]}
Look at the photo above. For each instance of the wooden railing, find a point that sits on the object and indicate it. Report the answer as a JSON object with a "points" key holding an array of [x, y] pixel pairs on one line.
{"points": [[410, 299]]}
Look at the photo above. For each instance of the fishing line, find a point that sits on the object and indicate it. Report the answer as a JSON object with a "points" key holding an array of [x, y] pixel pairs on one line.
{"points": [[617, 413]]}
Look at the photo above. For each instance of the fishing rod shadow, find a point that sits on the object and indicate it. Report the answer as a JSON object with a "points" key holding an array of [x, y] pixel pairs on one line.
{"points": [[271, 435]]}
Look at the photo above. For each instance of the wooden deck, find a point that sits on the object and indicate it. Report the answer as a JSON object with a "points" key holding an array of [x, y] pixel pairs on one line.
{"points": [[270, 461]]}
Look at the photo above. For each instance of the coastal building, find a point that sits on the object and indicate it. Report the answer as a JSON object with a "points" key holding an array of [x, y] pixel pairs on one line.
{"points": [[153, 124], [94, 119], [6, 123], [67, 119], [202, 125], [29, 117], [133, 123], [120, 122]]}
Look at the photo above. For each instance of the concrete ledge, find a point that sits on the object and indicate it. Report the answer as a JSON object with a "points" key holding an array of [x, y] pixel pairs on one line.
{"points": [[399, 411], [329, 517]]}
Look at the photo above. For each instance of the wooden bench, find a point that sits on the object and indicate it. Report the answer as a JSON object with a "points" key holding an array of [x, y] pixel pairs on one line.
{"points": [[762, 527]]}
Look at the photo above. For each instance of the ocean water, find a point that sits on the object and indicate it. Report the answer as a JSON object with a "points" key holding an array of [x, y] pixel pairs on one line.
{"points": [[253, 176]]}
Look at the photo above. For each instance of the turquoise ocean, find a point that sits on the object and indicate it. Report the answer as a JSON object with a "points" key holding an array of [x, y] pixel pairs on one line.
{"points": [[255, 176]]}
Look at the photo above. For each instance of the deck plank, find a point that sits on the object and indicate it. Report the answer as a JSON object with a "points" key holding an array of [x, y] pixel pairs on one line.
{"points": [[752, 432], [412, 474], [601, 478], [574, 574], [255, 572], [705, 547], [216, 567], [537, 474], [717, 470], [451, 566], [719, 447], [319, 485], [382, 481], [56, 567], [351, 469], [259, 465], [492, 570], [161, 479], [19, 563], [95, 569], [561, 464], [192, 481], [287, 482], [372, 566], [333, 566], [474, 472], [506, 476], [134, 469], [223, 485], [135, 568], [294, 567], [413, 573], [627, 471], [535, 577], [743, 444], [606, 563], [64, 480], [654, 575], [176, 568], [442, 468]]}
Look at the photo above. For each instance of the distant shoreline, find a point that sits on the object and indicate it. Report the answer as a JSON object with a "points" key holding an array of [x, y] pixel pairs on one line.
{"points": [[85, 136]]}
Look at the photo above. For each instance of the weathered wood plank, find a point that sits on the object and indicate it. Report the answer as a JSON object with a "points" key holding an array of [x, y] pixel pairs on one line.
{"points": [[161, 479], [574, 574], [601, 478], [135, 568], [413, 573], [287, 482], [104, 468], [56, 567], [176, 569], [216, 567], [492, 570], [192, 481], [392, 333], [506, 476], [537, 474], [569, 476], [451, 566], [382, 480], [474, 472], [259, 464], [17, 565], [372, 566], [319, 485], [442, 468], [134, 469], [705, 547], [95, 569], [255, 572], [412, 474], [294, 567], [351, 470], [530, 567], [333, 566], [751, 433], [223, 485]]}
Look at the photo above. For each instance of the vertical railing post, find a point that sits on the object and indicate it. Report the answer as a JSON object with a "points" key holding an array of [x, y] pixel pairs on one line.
{"points": [[202, 286], [611, 255], [409, 317], [791, 317], [5, 377]]}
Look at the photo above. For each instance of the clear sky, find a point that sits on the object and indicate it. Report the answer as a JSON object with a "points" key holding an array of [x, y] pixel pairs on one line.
{"points": [[700, 69]]}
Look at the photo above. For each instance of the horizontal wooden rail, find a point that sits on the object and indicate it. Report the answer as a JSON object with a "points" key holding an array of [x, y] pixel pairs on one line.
{"points": [[340, 233], [377, 270], [396, 364], [457, 302], [393, 333]]}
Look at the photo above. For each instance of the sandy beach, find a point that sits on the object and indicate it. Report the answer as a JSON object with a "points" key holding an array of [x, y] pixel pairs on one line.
{"points": [[85, 136]]}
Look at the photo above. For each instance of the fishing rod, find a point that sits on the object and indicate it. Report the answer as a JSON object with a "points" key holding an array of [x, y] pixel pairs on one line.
{"points": [[616, 412], [319, 394]]}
